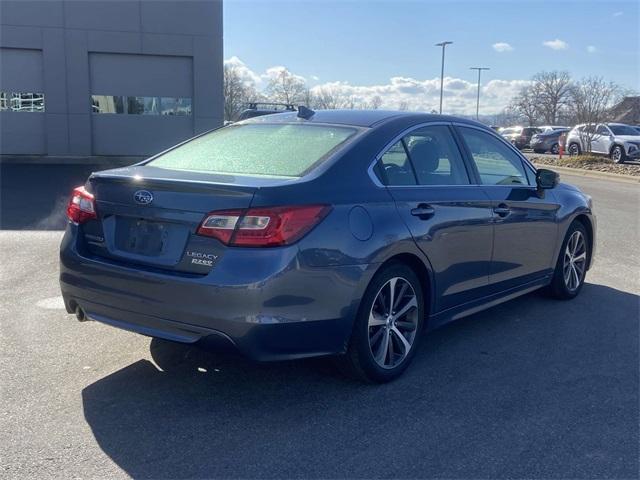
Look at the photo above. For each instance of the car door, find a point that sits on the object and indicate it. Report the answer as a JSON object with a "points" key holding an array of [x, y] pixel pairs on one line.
{"points": [[449, 218], [525, 228], [601, 140]]}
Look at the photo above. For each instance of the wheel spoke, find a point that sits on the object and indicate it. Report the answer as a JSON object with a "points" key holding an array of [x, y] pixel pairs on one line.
{"points": [[412, 303], [381, 353], [392, 290], [405, 343], [580, 258], [403, 290], [375, 320], [376, 336], [406, 326], [579, 266], [567, 273], [575, 277]]}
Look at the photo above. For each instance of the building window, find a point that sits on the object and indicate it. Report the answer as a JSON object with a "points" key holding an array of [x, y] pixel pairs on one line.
{"points": [[21, 102], [141, 105]]}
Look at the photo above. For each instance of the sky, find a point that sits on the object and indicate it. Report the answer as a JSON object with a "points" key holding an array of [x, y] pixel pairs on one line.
{"points": [[386, 47]]}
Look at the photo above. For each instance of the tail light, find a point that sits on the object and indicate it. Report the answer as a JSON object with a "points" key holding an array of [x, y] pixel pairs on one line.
{"points": [[81, 206], [262, 227]]}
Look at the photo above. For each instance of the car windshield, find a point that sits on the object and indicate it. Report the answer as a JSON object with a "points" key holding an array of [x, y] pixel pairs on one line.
{"points": [[282, 150], [623, 130]]}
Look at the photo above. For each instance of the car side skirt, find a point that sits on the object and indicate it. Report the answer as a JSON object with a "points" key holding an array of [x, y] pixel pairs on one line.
{"points": [[466, 309]]}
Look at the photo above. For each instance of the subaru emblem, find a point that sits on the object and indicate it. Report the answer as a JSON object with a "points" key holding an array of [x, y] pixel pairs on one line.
{"points": [[143, 197]]}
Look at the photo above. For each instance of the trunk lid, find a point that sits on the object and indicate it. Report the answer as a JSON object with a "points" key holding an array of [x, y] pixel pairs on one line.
{"points": [[149, 216]]}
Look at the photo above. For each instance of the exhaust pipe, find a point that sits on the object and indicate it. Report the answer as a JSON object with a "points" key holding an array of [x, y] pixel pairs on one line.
{"points": [[80, 314]]}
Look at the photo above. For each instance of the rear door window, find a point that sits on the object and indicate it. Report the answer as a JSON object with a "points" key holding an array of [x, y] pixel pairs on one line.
{"points": [[435, 156], [395, 167]]}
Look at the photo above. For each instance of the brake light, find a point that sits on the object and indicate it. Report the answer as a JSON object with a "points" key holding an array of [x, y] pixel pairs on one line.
{"points": [[81, 206], [262, 227]]}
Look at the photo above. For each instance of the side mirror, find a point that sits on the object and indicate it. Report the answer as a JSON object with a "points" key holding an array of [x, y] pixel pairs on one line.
{"points": [[546, 179]]}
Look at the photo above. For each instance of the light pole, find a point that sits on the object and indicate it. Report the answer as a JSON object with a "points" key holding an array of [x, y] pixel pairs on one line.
{"points": [[479, 69], [443, 45]]}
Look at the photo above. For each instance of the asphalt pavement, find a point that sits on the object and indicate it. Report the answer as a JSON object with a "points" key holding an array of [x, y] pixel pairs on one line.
{"points": [[533, 388]]}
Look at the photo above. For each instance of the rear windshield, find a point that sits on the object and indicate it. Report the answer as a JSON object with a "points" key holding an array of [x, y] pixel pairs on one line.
{"points": [[257, 149]]}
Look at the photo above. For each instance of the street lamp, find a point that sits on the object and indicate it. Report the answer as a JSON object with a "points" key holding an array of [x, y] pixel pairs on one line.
{"points": [[479, 69], [442, 44]]}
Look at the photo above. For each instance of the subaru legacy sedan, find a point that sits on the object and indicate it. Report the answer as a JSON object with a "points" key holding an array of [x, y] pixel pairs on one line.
{"points": [[344, 233]]}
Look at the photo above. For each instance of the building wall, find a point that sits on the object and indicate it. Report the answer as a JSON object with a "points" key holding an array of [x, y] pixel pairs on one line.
{"points": [[145, 52]]}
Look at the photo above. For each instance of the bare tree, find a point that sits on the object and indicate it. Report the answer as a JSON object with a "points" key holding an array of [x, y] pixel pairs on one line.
{"points": [[286, 87], [508, 116], [551, 92], [375, 103], [236, 92], [309, 99], [591, 99], [333, 98], [526, 105]]}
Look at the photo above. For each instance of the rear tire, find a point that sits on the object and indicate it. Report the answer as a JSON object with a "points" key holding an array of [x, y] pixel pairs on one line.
{"points": [[571, 267], [555, 149], [388, 326]]}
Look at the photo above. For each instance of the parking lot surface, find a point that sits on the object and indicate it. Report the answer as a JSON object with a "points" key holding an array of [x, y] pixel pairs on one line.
{"points": [[533, 388]]}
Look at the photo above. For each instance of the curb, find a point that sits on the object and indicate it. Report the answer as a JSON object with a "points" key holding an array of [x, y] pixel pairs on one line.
{"points": [[591, 173]]}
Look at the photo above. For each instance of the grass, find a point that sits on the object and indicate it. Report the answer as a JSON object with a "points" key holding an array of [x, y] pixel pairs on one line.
{"points": [[583, 160]]}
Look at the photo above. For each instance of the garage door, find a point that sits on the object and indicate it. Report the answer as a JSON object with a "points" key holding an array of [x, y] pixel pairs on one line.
{"points": [[22, 102], [141, 104]]}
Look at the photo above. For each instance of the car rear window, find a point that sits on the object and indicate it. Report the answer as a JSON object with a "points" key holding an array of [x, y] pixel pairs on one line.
{"points": [[257, 149]]}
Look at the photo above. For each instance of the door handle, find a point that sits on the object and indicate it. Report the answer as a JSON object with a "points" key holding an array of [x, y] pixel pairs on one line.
{"points": [[423, 211], [502, 210]]}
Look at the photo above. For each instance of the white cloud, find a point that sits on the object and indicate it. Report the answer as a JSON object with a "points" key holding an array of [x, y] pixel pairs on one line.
{"points": [[556, 44], [273, 72], [247, 75], [424, 95], [502, 47], [314, 78], [418, 94], [591, 49], [618, 14]]}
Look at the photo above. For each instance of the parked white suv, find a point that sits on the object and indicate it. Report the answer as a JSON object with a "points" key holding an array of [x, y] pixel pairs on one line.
{"points": [[617, 140]]}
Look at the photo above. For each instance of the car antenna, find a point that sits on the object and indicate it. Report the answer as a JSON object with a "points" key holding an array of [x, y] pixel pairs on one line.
{"points": [[304, 112]]}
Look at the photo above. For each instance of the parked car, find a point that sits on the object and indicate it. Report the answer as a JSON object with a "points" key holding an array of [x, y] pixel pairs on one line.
{"points": [[548, 140], [616, 140], [547, 128], [520, 137], [322, 233]]}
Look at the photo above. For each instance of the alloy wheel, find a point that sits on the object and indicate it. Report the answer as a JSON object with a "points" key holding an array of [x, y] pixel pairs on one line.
{"points": [[575, 261], [574, 149], [616, 155], [393, 321], [555, 149]]}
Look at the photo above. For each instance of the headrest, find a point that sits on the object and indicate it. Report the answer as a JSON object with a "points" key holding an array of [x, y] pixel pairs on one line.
{"points": [[425, 155]]}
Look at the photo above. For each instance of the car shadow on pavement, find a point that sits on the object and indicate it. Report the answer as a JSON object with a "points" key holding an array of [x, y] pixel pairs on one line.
{"points": [[533, 388]]}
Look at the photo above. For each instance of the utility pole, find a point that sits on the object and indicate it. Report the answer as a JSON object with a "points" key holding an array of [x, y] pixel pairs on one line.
{"points": [[479, 69], [443, 45]]}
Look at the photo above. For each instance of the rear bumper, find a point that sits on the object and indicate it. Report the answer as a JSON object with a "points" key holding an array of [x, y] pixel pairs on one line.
{"points": [[269, 306]]}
